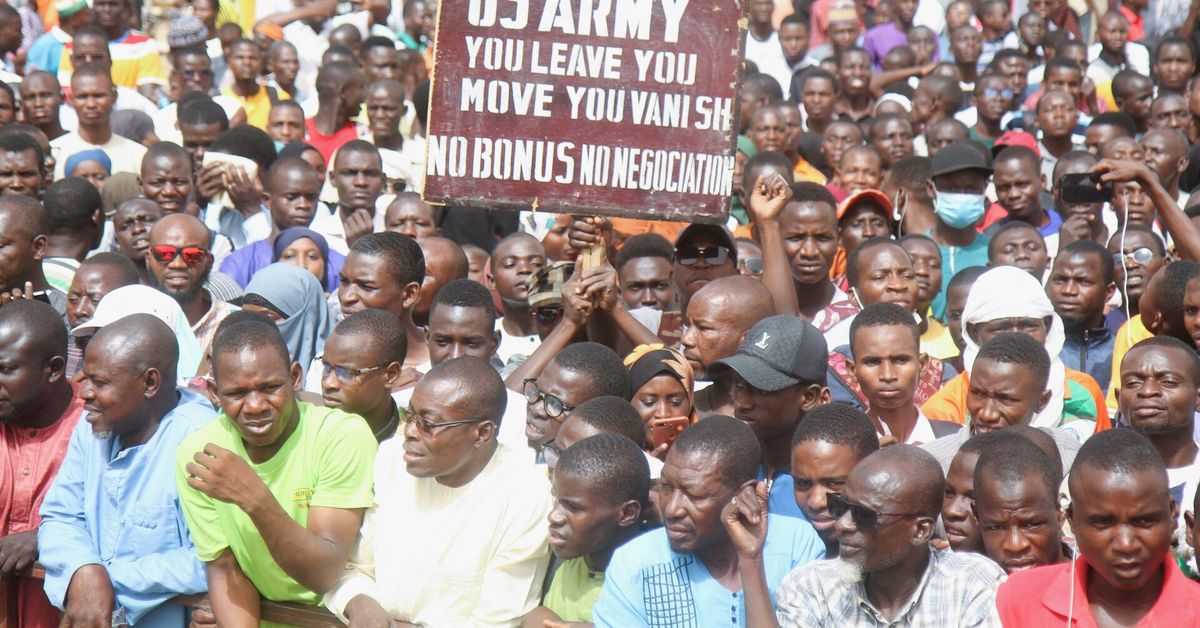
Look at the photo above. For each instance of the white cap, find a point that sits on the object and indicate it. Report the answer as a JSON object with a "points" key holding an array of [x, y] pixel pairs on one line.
{"points": [[129, 300]]}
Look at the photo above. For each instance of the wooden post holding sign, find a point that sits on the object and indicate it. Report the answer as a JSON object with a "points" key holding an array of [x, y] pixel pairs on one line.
{"points": [[607, 107]]}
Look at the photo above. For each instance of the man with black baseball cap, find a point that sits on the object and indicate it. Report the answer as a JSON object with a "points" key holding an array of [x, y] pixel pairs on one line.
{"points": [[776, 377], [960, 176]]}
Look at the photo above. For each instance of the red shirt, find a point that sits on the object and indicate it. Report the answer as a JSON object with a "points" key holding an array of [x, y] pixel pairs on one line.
{"points": [[1042, 597], [1137, 25], [31, 458], [327, 145]]}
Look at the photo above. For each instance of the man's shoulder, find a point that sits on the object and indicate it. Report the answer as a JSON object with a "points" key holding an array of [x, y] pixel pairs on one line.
{"points": [[218, 431], [325, 421], [967, 565], [648, 548]]}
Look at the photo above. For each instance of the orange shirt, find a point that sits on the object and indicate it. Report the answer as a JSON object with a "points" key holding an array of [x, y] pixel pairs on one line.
{"points": [[950, 403]]}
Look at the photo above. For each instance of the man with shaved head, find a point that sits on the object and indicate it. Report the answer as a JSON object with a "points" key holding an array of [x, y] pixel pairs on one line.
{"points": [[1166, 152], [38, 411], [473, 512], [718, 318], [886, 571], [129, 551], [23, 242], [180, 260], [445, 261]]}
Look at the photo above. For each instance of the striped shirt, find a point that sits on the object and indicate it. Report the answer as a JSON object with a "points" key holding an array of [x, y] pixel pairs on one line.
{"points": [[956, 590]]}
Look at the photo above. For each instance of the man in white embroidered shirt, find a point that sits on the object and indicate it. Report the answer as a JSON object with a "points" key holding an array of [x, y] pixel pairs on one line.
{"points": [[886, 573], [457, 535]]}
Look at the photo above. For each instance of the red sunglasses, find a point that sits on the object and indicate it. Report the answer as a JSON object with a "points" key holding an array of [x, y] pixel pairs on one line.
{"points": [[165, 254]]}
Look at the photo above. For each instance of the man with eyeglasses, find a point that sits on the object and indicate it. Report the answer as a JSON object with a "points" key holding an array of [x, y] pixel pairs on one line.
{"points": [[180, 260], [274, 489], [472, 512], [886, 572], [361, 365], [579, 372], [193, 67], [993, 100]]}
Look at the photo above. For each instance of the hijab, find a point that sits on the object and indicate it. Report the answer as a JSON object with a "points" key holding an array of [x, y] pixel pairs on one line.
{"points": [[648, 361], [1009, 292], [297, 295], [290, 235], [94, 154]]}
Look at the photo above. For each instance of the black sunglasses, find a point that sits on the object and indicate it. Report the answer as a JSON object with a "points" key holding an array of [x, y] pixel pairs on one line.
{"points": [[712, 255], [865, 519]]}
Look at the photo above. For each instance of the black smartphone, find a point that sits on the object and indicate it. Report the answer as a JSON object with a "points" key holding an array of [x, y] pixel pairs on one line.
{"points": [[1082, 189]]}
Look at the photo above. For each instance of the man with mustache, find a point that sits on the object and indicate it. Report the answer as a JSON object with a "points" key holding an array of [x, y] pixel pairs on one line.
{"points": [[180, 260], [886, 571], [710, 470], [127, 552], [1122, 515], [1159, 393]]}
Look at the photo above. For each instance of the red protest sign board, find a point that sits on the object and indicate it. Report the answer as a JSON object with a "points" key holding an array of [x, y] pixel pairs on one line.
{"points": [[609, 107]]}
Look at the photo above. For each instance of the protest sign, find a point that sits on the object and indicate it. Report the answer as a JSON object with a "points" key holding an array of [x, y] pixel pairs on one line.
{"points": [[608, 107]]}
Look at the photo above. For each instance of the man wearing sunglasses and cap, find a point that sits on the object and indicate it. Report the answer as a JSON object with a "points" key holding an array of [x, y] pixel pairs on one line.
{"points": [[886, 572], [180, 260]]}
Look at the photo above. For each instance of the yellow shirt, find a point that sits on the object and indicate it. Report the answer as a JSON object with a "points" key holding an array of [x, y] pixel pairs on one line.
{"points": [[1131, 332], [136, 61], [937, 342], [258, 106]]}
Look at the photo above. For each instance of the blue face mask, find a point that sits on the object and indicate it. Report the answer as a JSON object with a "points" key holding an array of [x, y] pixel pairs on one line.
{"points": [[279, 146], [959, 209]]}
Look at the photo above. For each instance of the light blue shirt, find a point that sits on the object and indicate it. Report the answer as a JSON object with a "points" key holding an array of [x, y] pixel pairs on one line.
{"points": [[649, 584], [119, 508]]}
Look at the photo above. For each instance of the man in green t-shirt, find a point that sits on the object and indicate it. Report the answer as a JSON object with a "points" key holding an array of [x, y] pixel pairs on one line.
{"points": [[601, 485], [273, 489]]}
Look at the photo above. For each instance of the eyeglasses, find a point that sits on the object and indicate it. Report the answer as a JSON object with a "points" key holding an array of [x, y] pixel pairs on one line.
{"points": [[1140, 256], [165, 254], [427, 427], [345, 374], [864, 518], [751, 266], [547, 315], [553, 406], [712, 255], [992, 92]]}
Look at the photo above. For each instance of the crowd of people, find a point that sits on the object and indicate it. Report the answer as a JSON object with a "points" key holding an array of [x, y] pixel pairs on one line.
{"points": [[939, 367]]}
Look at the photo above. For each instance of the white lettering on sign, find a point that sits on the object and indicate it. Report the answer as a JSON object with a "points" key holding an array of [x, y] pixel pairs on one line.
{"points": [[493, 96], [619, 19]]}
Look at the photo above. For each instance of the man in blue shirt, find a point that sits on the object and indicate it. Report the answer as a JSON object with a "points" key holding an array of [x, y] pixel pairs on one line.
{"points": [[688, 573], [776, 377], [1019, 183], [113, 537], [1080, 283]]}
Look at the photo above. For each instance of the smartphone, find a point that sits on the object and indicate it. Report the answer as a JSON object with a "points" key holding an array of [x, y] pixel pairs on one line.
{"points": [[1081, 189], [665, 430]]}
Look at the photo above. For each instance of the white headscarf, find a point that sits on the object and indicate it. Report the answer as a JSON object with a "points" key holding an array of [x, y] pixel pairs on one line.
{"points": [[1009, 292]]}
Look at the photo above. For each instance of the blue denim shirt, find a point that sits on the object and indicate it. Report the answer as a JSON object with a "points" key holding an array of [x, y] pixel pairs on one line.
{"points": [[119, 508]]}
